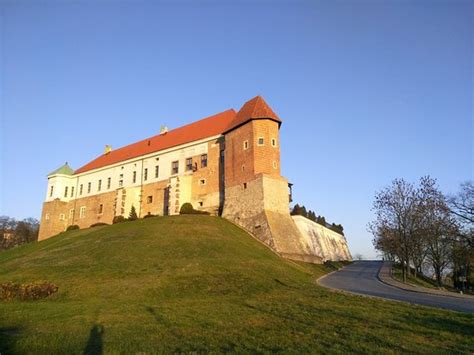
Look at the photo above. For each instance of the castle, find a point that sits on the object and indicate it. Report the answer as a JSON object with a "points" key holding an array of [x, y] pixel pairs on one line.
{"points": [[227, 164]]}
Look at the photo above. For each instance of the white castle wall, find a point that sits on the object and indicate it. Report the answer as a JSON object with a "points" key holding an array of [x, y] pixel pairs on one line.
{"points": [[322, 241], [126, 168]]}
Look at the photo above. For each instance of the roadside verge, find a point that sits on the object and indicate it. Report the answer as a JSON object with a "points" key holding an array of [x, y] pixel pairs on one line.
{"points": [[385, 276]]}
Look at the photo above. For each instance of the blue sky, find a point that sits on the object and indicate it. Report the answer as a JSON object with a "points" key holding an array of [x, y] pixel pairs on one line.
{"points": [[368, 90]]}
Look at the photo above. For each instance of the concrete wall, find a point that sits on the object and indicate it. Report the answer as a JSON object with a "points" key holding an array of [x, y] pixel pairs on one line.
{"points": [[322, 241]]}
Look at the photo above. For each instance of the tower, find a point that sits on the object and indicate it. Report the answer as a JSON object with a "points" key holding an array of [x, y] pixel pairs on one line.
{"points": [[256, 195], [60, 191]]}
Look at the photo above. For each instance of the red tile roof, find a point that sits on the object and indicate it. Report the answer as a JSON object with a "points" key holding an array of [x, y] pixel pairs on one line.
{"points": [[220, 123], [207, 127], [255, 108]]}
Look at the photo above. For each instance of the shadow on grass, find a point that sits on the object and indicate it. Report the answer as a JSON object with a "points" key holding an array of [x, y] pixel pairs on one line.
{"points": [[95, 344], [444, 324], [7, 340]]}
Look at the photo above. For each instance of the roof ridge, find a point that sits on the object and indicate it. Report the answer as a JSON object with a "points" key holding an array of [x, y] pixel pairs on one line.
{"points": [[174, 129], [193, 131]]}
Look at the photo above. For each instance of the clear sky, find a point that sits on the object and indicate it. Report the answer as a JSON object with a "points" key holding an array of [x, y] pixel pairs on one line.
{"points": [[367, 90]]}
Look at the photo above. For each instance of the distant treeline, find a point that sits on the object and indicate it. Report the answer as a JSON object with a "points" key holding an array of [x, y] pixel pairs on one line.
{"points": [[14, 232], [301, 211]]}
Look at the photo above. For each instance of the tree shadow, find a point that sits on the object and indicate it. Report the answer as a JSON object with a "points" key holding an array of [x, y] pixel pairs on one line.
{"points": [[444, 324], [95, 344], [8, 339]]}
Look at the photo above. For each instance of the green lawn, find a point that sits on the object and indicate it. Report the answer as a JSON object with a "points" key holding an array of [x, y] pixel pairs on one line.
{"points": [[198, 283]]}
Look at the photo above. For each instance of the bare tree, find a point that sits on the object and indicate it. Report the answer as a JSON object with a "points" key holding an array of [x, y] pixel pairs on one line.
{"points": [[462, 204], [359, 256], [462, 256], [394, 227], [13, 232]]}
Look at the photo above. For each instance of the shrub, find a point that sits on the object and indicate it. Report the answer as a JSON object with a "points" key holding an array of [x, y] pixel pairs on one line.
{"points": [[72, 227], [119, 219], [133, 214], [98, 224], [149, 215], [187, 208], [27, 292]]}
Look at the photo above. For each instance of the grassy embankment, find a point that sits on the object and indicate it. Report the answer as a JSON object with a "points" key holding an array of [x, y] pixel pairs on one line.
{"points": [[198, 283], [420, 280]]}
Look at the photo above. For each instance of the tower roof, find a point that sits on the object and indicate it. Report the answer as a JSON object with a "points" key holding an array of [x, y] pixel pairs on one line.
{"points": [[253, 109], [64, 170]]}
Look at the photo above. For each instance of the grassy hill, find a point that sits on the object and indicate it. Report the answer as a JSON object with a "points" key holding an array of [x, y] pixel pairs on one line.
{"points": [[199, 283]]}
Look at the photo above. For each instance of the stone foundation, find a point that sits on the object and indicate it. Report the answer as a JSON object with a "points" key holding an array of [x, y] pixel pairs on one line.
{"points": [[261, 207]]}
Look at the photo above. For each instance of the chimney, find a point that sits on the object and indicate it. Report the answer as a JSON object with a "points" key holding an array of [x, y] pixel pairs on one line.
{"points": [[163, 130], [108, 149]]}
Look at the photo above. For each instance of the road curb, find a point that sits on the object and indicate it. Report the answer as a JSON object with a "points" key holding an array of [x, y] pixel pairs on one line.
{"points": [[390, 281]]}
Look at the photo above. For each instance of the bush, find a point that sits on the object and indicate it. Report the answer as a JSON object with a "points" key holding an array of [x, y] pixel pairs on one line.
{"points": [[149, 215], [98, 224], [72, 227], [133, 214], [119, 219], [187, 208], [27, 292]]}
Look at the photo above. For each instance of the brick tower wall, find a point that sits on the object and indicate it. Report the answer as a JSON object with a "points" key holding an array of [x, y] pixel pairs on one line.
{"points": [[256, 195]]}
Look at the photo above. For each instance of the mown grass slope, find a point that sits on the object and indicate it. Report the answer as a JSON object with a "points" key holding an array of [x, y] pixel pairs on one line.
{"points": [[199, 283]]}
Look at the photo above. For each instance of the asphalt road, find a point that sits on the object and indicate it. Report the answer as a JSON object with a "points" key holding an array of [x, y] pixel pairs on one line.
{"points": [[361, 277]]}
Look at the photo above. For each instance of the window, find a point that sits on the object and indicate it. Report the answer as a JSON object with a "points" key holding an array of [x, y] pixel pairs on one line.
{"points": [[174, 167], [200, 203], [274, 164], [260, 141], [62, 217], [203, 160], [202, 182], [51, 191], [99, 185], [149, 199], [46, 216], [80, 189], [101, 208], [246, 145], [120, 183], [109, 182], [89, 186], [65, 191], [274, 142], [71, 213], [134, 177], [189, 164], [157, 171], [72, 191], [145, 174], [82, 212], [245, 185]]}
